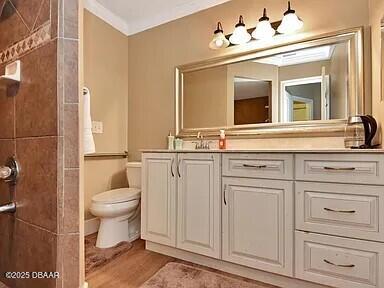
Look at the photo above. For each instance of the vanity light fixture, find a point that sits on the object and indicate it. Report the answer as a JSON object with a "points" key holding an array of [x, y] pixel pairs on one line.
{"points": [[219, 40], [264, 28], [240, 34], [291, 22]]}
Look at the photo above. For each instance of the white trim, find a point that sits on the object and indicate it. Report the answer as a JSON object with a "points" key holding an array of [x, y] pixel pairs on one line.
{"points": [[302, 81], [171, 14], [91, 226], [130, 28], [106, 15], [283, 101]]}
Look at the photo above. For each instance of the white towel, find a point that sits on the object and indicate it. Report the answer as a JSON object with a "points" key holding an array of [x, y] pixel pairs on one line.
{"points": [[88, 143]]}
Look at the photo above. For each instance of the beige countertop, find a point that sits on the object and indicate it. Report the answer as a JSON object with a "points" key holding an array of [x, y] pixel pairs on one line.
{"points": [[332, 150]]}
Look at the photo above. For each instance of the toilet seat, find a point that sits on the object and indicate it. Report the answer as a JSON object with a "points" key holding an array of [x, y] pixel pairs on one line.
{"points": [[116, 196]]}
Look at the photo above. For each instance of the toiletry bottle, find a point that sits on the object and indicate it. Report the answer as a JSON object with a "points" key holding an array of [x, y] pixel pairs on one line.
{"points": [[222, 140], [171, 141], [178, 144]]}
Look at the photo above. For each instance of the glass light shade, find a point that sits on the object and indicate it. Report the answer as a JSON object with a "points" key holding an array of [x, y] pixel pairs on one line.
{"points": [[219, 41], [263, 30], [240, 35], [290, 24]]}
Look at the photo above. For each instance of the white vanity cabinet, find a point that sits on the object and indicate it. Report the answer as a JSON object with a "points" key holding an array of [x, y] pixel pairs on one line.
{"points": [[198, 203], [158, 198], [292, 219], [181, 201]]}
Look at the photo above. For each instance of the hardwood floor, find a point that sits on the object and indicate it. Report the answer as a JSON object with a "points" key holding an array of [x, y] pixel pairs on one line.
{"points": [[136, 266], [129, 270]]}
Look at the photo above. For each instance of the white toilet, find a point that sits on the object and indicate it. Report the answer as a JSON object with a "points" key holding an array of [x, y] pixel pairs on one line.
{"points": [[119, 210]]}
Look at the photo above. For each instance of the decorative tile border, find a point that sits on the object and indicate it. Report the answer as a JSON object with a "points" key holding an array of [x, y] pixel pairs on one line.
{"points": [[29, 43]]}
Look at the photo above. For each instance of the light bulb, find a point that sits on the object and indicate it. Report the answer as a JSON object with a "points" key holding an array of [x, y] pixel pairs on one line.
{"points": [[240, 34], [290, 23], [219, 40], [263, 29]]}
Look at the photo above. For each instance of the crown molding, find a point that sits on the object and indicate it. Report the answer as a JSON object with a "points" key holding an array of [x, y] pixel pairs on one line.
{"points": [[133, 27], [106, 15], [177, 12]]}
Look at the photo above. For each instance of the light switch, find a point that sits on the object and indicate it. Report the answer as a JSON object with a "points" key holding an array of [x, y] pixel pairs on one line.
{"points": [[97, 127]]}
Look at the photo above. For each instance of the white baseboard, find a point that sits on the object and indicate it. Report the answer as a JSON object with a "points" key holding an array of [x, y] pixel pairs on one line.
{"points": [[91, 226]]}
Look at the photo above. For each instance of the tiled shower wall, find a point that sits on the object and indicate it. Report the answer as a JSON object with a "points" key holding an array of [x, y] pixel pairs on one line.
{"points": [[39, 125]]}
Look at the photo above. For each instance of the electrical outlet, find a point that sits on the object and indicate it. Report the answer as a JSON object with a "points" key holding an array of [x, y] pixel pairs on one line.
{"points": [[97, 127]]}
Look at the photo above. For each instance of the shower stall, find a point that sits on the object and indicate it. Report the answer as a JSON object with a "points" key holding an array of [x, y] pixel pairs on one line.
{"points": [[39, 144]]}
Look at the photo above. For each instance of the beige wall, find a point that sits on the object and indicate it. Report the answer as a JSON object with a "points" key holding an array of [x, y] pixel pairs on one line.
{"points": [[376, 14], [303, 70], [153, 55], [205, 95], [106, 75]]}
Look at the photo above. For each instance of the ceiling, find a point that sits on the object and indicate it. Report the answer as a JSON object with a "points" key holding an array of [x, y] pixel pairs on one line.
{"points": [[131, 17]]}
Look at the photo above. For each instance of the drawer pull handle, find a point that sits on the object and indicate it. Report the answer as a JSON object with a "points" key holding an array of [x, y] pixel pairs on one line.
{"points": [[340, 211], [339, 265], [254, 166], [340, 168]]}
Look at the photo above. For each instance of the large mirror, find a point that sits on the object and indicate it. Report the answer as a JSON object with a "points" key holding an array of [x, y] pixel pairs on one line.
{"points": [[313, 82]]}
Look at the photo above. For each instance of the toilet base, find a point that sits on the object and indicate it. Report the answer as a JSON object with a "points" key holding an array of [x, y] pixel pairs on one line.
{"points": [[112, 231]]}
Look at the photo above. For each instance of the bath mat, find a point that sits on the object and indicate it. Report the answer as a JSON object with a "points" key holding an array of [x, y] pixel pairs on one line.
{"points": [[176, 275], [95, 258]]}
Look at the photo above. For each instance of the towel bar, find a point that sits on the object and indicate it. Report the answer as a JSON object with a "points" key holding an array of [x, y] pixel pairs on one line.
{"points": [[107, 155]]}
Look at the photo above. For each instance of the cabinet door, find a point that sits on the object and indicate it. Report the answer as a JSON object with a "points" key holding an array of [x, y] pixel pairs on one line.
{"points": [[258, 224], [198, 205], [158, 199]]}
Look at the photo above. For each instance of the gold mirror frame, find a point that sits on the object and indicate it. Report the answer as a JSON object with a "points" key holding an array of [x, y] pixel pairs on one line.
{"points": [[354, 38], [382, 58]]}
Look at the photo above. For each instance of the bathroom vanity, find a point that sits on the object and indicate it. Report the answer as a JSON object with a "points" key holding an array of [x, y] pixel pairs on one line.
{"points": [[281, 217]]}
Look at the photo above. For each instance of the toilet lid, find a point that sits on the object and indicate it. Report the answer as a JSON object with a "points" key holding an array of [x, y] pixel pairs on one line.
{"points": [[117, 196]]}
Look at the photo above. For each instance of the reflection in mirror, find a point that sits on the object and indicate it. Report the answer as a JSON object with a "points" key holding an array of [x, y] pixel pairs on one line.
{"points": [[302, 85], [252, 99]]}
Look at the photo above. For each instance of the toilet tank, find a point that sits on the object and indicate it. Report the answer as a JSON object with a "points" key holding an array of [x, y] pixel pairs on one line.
{"points": [[134, 174]]}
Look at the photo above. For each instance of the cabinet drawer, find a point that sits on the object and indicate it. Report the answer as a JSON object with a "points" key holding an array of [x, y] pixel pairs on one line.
{"points": [[275, 166], [339, 262], [340, 209], [342, 168]]}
